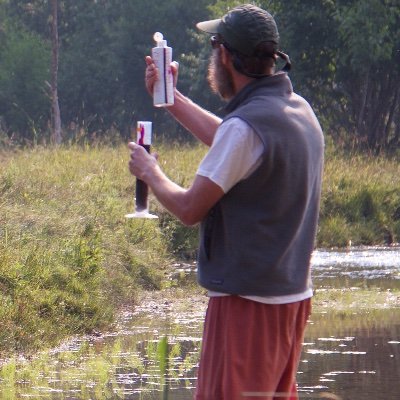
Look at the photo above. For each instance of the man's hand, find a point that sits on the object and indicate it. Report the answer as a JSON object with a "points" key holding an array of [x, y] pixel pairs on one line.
{"points": [[141, 164], [151, 74]]}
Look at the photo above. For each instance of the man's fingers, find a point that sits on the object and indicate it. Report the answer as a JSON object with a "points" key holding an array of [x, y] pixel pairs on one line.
{"points": [[132, 145]]}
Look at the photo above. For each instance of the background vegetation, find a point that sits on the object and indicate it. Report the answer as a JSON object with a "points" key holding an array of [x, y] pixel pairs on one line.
{"points": [[345, 53]]}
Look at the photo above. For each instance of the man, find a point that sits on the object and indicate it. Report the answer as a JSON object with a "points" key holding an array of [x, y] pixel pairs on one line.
{"points": [[256, 195]]}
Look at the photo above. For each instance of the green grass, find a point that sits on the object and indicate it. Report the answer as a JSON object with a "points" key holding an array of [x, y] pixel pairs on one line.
{"points": [[360, 201], [69, 258]]}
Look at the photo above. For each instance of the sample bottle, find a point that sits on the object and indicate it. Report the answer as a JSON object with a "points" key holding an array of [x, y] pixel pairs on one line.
{"points": [[143, 138], [163, 93]]}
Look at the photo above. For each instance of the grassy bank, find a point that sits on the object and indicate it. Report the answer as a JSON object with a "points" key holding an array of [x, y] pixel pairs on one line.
{"points": [[360, 201], [69, 258]]}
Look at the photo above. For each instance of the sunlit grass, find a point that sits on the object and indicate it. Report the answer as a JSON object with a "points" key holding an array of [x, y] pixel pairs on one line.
{"points": [[68, 256], [360, 201]]}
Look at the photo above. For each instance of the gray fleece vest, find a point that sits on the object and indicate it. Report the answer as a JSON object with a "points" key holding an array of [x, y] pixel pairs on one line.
{"points": [[258, 239]]}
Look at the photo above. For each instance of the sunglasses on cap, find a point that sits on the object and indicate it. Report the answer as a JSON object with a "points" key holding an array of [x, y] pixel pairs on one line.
{"points": [[215, 41]]}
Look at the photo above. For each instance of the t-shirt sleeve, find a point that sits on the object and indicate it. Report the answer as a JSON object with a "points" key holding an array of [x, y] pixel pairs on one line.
{"points": [[234, 154]]}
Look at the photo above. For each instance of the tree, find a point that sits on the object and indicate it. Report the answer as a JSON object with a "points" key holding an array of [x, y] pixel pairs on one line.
{"points": [[345, 56], [102, 62], [24, 103], [56, 118], [101, 65], [369, 70]]}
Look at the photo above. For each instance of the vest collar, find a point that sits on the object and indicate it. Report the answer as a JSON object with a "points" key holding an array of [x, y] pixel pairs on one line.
{"points": [[278, 84]]}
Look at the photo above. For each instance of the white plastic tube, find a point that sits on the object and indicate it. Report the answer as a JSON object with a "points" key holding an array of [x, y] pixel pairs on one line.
{"points": [[163, 93]]}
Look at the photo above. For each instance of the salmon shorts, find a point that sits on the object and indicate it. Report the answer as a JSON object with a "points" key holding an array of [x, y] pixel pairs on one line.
{"points": [[251, 350]]}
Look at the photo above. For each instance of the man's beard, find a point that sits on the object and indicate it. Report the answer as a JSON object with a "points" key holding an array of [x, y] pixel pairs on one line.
{"points": [[219, 77]]}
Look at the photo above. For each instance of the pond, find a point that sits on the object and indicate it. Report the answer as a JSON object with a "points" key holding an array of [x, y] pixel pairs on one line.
{"points": [[349, 354]]}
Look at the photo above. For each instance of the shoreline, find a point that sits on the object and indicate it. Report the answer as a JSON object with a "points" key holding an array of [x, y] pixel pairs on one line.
{"points": [[170, 303]]}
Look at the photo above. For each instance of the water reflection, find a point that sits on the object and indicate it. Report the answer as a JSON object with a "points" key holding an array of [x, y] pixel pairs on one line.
{"points": [[366, 267], [354, 361], [154, 352], [381, 258]]}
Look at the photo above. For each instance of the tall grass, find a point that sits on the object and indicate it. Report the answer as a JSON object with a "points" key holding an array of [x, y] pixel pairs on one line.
{"points": [[69, 258], [360, 200]]}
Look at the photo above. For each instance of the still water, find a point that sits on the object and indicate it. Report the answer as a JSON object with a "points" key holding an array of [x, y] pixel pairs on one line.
{"points": [[154, 351]]}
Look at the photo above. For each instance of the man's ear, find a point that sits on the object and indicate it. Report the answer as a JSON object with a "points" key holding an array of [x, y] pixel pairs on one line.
{"points": [[226, 57]]}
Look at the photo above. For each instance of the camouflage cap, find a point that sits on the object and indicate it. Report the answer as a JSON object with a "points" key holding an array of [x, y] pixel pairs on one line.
{"points": [[243, 28]]}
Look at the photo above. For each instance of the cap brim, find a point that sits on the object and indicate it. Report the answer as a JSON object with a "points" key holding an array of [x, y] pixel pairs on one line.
{"points": [[209, 26]]}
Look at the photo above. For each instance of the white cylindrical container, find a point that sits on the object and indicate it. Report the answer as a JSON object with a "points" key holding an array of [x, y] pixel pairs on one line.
{"points": [[163, 93], [143, 133]]}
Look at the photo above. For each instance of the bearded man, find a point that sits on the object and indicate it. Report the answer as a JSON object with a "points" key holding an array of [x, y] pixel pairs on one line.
{"points": [[256, 195]]}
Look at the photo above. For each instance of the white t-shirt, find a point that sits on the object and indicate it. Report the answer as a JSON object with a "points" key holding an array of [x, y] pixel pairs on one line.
{"points": [[234, 154]]}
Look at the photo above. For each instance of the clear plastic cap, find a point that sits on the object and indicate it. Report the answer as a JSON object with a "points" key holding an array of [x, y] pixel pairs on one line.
{"points": [[159, 39]]}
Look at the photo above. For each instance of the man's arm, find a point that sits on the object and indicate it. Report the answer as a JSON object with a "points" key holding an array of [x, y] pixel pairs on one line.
{"points": [[191, 205], [200, 122]]}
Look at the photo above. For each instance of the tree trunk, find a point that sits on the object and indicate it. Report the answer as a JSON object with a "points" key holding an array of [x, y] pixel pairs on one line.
{"points": [[392, 113], [361, 113], [56, 118]]}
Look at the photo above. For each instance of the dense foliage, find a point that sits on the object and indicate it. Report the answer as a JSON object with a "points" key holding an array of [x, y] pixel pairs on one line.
{"points": [[345, 54]]}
